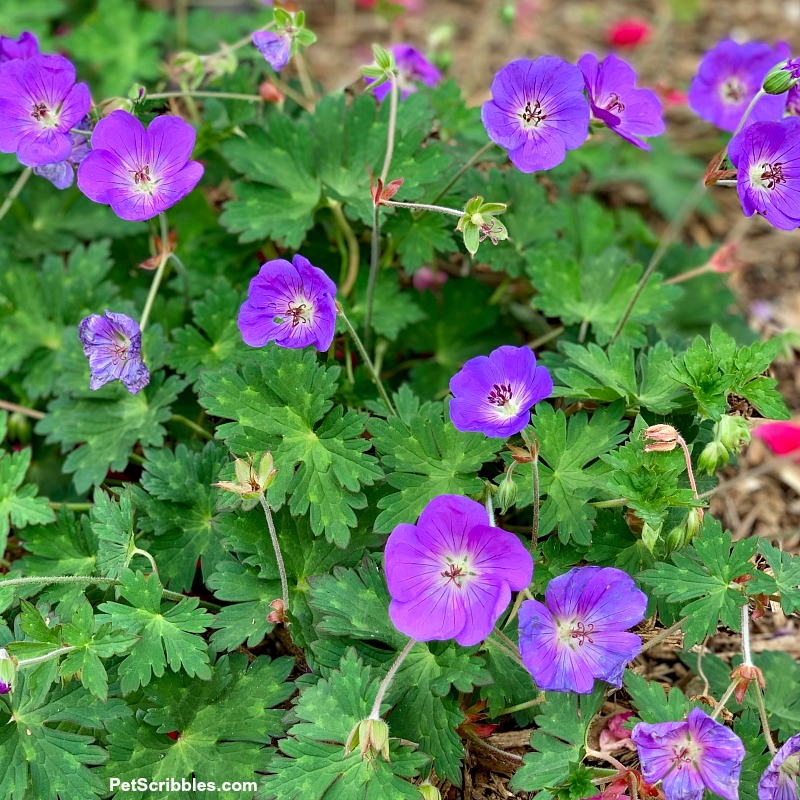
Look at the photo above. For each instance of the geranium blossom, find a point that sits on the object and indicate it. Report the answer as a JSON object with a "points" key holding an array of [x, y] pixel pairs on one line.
{"points": [[451, 575], [289, 303], [537, 112], [113, 345], [779, 781], [690, 756], [494, 394], [39, 104], [23, 48], [412, 69], [580, 634], [139, 172], [275, 47], [615, 100]]}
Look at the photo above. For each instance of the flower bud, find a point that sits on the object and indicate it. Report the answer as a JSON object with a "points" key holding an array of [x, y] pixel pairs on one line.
{"points": [[506, 493], [8, 671], [662, 438], [650, 536], [370, 736], [733, 432], [270, 93], [783, 77], [714, 456], [429, 791], [694, 523]]}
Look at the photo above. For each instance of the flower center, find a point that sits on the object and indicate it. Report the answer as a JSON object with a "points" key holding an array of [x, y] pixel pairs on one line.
{"points": [[143, 181], [766, 175], [532, 116], [119, 349], [614, 104], [299, 313], [685, 752], [790, 768], [457, 571], [732, 91], [582, 633], [501, 394], [44, 115]]}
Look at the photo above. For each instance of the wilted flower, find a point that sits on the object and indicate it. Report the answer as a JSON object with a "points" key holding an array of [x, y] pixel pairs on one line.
{"points": [[729, 77], [614, 736], [767, 160], [39, 104], [451, 575], [23, 48], [250, 482], [275, 47], [62, 173], [580, 634], [139, 172], [412, 69], [779, 781], [290, 303], [494, 394], [662, 438], [615, 100], [537, 112], [8, 671], [690, 756], [782, 438], [744, 675]]}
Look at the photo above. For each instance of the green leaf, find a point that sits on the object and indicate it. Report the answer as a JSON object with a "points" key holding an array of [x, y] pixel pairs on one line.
{"points": [[223, 725], [106, 427], [785, 580], [19, 505], [281, 402], [421, 239], [393, 309], [112, 523], [425, 456], [748, 728], [653, 703], [781, 674], [703, 574], [67, 548], [569, 472], [166, 637]]}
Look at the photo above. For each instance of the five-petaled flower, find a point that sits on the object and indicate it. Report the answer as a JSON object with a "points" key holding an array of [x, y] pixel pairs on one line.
{"points": [[729, 77], [139, 172], [39, 104], [537, 112], [23, 48], [290, 303], [113, 345], [630, 112], [779, 781], [581, 633], [451, 575], [494, 394], [275, 47], [767, 160], [412, 69], [690, 756]]}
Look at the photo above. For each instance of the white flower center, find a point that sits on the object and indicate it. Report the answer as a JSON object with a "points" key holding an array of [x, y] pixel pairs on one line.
{"points": [[766, 176], [532, 115], [457, 570], [732, 91]]}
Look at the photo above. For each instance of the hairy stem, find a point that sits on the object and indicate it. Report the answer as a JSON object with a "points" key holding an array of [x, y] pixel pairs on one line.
{"points": [[151, 296], [687, 456], [490, 507], [453, 212], [535, 523], [253, 98], [390, 136], [353, 254], [7, 405], [762, 713], [305, 78], [724, 699], [15, 190], [386, 682], [464, 167], [367, 361], [70, 506], [276, 546], [665, 634], [192, 425], [30, 662], [522, 706], [504, 754], [372, 280], [609, 759], [746, 655]]}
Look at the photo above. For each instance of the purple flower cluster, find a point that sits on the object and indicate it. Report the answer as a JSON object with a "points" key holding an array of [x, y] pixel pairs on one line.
{"points": [[729, 77], [291, 304], [412, 69], [113, 345], [451, 575]]}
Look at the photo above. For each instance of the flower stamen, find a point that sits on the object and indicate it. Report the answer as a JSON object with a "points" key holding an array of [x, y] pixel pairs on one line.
{"points": [[582, 633], [614, 105], [500, 394], [533, 116], [297, 313]]}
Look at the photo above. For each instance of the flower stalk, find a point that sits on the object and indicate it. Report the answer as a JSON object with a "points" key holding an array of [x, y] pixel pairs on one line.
{"points": [[375, 713], [276, 546], [18, 186], [151, 296]]}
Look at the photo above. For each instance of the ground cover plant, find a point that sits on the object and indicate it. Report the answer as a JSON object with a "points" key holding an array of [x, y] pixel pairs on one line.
{"points": [[341, 430]]}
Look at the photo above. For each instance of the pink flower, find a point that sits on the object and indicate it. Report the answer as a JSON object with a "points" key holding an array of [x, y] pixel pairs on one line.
{"points": [[783, 438], [628, 32], [614, 736]]}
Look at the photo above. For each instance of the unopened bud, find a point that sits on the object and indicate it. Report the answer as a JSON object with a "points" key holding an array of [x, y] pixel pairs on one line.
{"points": [[694, 523], [650, 536], [506, 493], [371, 737], [744, 674], [714, 456], [8, 671], [429, 791], [783, 77], [662, 438], [733, 432], [270, 93]]}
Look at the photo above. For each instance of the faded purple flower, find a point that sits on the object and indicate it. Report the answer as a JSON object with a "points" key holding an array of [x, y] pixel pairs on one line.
{"points": [[23, 48], [690, 756], [39, 103], [275, 47], [451, 575], [494, 394], [767, 160], [537, 112], [581, 633], [412, 69], [729, 77], [779, 781], [62, 173], [615, 100], [113, 345], [290, 303]]}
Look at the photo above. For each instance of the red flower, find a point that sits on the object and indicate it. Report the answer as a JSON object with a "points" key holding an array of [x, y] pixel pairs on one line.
{"points": [[783, 438], [628, 32]]}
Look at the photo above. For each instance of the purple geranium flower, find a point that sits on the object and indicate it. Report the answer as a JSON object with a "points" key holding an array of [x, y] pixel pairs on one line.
{"points": [[290, 303], [793, 101], [581, 634], [275, 47], [767, 160], [451, 575], [139, 172], [412, 68], [615, 100], [690, 756], [62, 173], [113, 345], [23, 48], [494, 394], [39, 103], [537, 112], [729, 77], [779, 781]]}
